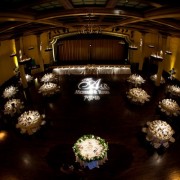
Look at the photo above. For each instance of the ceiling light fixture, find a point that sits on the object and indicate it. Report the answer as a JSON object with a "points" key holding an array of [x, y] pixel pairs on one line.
{"points": [[90, 28]]}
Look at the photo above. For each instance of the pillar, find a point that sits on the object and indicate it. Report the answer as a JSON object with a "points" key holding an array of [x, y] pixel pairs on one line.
{"points": [[142, 51], [159, 73], [161, 64], [23, 76], [19, 47], [41, 62]]}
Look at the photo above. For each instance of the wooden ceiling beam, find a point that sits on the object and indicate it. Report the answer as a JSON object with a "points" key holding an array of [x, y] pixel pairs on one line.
{"points": [[128, 21], [152, 15], [66, 4], [96, 24], [164, 12], [9, 16], [96, 11], [150, 3], [27, 4], [110, 4], [167, 23], [11, 27], [26, 18]]}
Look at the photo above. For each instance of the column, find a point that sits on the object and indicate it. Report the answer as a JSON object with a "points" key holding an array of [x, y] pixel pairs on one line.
{"points": [[161, 64], [41, 63], [23, 76], [142, 51], [159, 73], [19, 47]]}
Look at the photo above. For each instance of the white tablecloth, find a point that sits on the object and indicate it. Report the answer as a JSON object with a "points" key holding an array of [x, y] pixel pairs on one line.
{"points": [[30, 121], [159, 133], [94, 69]]}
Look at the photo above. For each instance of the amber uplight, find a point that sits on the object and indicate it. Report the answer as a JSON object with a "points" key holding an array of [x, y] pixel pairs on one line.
{"points": [[3, 135]]}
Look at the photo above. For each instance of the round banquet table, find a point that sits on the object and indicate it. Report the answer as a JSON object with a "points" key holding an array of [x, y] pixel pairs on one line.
{"points": [[30, 121], [13, 106], [90, 151], [137, 96], [173, 90], [159, 133], [169, 107], [10, 91], [48, 89], [49, 77], [136, 79]]}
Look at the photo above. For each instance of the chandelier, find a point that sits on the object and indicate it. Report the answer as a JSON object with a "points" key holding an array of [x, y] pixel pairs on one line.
{"points": [[90, 28]]}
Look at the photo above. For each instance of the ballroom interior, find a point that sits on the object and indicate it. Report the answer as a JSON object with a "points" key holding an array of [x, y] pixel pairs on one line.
{"points": [[89, 90]]}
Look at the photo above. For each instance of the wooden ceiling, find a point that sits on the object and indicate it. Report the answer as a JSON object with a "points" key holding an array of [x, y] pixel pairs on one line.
{"points": [[24, 17]]}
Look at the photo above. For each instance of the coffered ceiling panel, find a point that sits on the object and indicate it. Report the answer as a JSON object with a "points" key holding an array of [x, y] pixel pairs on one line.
{"points": [[19, 17]]}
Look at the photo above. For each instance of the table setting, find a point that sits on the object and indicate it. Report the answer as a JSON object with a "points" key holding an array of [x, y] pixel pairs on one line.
{"points": [[13, 106], [90, 151], [169, 107], [30, 122], [48, 89], [10, 92], [138, 96], [135, 79], [48, 77], [159, 133], [92, 69], [173, 90]]}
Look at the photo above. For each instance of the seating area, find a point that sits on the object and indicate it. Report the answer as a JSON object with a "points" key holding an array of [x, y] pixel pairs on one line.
{"points": [[65, 118]]}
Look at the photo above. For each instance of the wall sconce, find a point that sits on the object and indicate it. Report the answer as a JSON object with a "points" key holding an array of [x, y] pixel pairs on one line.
{"points": [[13, 54], [48, 48], [30, 48], [168, 52], [133, 47], [141, 42], [151, 46]]}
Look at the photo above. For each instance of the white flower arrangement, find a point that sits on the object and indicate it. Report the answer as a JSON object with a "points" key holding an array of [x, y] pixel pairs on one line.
{"points": [[10, 91], [136, 79], [90, 148]]}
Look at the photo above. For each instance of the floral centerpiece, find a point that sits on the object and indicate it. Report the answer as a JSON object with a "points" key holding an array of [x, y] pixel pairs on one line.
{"points": [[90, 148], [13, 106], [10, 91], [49, 88], [173, 89], [136, 79], [138, 95], [170, 107], [160, 129], [49, 77]]}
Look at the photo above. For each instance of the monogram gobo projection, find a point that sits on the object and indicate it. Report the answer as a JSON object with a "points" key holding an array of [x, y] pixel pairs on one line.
{"points": [[91, 89]]}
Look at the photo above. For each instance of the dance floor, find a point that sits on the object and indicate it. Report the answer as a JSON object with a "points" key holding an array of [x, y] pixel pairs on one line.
{"points": [[68, 117]]}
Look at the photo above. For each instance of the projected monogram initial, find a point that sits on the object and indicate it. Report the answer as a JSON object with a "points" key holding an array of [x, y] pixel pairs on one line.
{"points": [[91, 89]]}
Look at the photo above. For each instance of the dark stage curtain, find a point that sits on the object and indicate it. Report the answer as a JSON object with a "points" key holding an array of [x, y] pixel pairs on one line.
{"points": [[92, 51]]}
